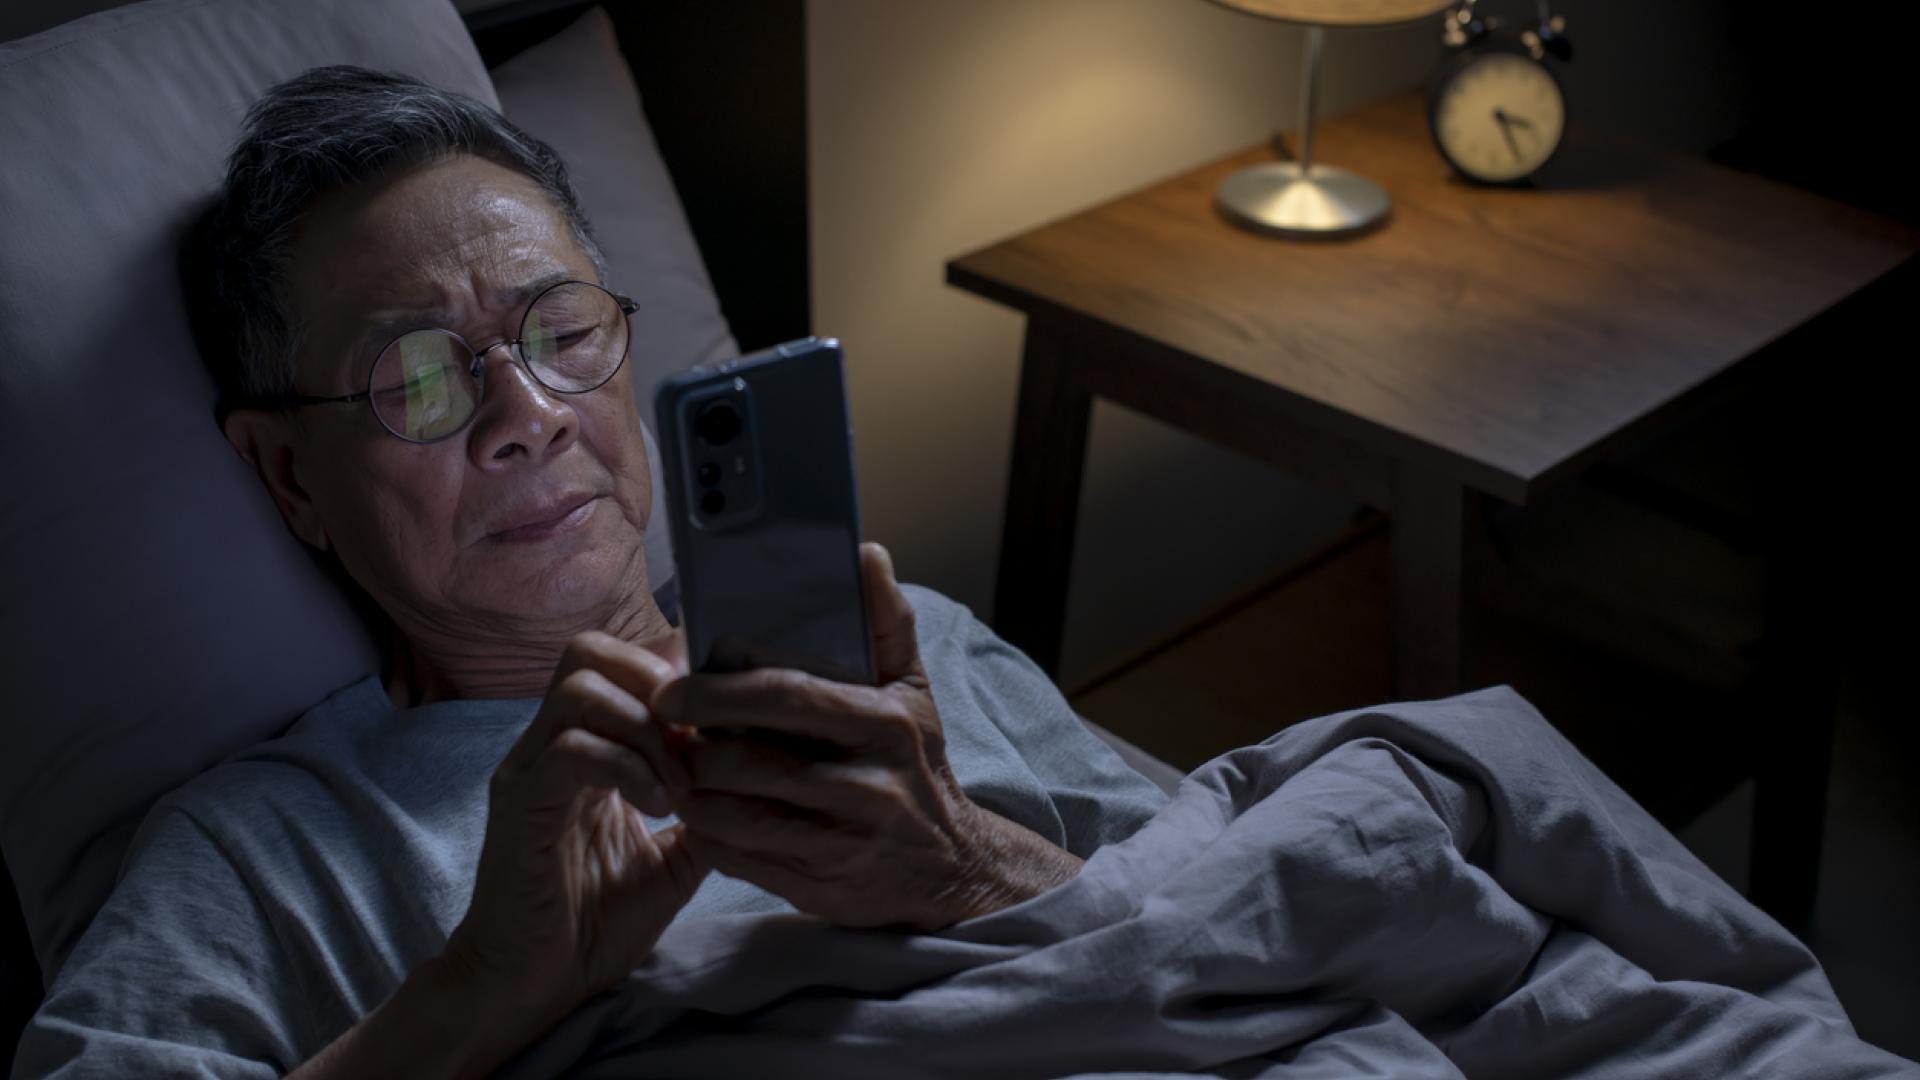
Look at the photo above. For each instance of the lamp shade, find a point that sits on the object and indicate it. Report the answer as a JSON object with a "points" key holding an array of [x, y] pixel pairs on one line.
{"points": [[1340, 12]]}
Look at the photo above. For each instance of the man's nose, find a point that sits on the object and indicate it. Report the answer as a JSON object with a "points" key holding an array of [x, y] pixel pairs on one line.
{"points": [[517, 416]]}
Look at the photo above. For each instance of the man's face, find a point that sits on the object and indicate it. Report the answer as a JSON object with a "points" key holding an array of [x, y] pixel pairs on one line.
{"points": [[532, 516]]}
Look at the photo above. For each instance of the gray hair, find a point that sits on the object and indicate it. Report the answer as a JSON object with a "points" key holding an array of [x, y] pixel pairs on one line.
{"points": [[331, 128]]}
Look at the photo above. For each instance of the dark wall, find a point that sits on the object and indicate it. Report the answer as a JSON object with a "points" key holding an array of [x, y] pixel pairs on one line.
{"points": [[725, 91], [1832, 100], [1823, 98], [1832, 108]]}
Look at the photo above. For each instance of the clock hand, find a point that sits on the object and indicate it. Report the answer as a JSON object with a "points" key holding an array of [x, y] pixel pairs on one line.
{"points": [[1506, 130], [1505, 117]]}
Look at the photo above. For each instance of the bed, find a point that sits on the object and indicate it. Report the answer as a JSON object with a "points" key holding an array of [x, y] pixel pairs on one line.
{"points": [[726, 233], [1425, 889]]}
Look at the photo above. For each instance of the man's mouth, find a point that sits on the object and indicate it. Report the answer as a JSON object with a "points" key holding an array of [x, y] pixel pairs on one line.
{"points": [[547, 520]]}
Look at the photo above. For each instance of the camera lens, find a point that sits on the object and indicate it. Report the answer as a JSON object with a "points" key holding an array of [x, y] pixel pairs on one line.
{"points": [[712, 503], [718, 424], [708, 474]]}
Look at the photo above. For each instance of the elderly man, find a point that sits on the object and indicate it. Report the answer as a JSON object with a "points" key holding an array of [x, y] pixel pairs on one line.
{"points": [[434, 866]]}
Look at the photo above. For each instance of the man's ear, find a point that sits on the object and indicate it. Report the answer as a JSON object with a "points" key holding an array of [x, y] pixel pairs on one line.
{"points": [[265, 440]]}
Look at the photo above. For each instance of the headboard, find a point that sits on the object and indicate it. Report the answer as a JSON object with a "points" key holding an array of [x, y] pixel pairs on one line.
{"points": [[724, 87]]}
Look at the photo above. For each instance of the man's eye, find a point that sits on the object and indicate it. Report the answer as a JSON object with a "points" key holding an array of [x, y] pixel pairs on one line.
{"points": [[419, 383]]}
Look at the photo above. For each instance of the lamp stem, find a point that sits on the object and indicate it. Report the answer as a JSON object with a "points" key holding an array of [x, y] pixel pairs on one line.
{"points": [[1309, 97]]}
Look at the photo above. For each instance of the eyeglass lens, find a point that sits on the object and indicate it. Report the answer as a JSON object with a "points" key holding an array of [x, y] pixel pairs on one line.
{"points": [[573, 338]]}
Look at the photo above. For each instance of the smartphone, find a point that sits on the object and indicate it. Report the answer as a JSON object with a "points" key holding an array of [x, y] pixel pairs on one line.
{"points": [[758, 456]]}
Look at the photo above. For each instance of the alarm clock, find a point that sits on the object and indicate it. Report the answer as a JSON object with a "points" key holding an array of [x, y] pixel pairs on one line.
{"points": [[1498, 112]]}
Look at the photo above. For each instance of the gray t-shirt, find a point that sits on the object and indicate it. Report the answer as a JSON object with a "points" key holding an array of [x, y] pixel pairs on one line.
{"points": [[271, 902]]}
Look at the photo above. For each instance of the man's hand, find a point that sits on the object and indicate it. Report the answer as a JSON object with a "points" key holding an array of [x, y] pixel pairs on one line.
{"points": [[572, 889], [839, 798]]}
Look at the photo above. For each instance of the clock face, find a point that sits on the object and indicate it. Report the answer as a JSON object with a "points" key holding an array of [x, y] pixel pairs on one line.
{"points": [[1498, 116]]}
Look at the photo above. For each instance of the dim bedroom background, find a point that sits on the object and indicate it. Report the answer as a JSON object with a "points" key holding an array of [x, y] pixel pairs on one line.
{"points": [[207, 628]]}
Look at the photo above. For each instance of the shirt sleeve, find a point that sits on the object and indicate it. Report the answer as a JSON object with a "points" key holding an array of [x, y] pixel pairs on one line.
{"points": [[995, 703], [177, 976]]}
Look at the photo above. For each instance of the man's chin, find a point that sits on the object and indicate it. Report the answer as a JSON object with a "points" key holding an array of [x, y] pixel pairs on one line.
{"points": [[578, 586]]}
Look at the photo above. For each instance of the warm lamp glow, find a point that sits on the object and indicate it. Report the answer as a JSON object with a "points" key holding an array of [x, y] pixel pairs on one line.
{"points": [[1340, 12]]}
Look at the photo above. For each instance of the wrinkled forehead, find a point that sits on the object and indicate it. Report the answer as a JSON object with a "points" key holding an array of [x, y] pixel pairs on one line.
{"points": [[453, 243]]}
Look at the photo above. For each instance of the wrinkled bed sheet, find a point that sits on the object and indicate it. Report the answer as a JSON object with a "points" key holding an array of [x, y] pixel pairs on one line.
{"points": [[1421, 890]]}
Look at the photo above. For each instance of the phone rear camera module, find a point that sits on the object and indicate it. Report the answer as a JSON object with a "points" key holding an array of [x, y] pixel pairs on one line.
{"points": [[708, 474], [718, 424], [713, 503]]}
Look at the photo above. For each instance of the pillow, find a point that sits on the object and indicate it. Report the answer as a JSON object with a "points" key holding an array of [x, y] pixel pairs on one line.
{"points": [[575, 91], [159, 615]]}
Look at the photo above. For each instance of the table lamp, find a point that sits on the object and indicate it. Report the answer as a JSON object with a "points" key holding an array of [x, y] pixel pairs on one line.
{"points": [[1301, 197]]}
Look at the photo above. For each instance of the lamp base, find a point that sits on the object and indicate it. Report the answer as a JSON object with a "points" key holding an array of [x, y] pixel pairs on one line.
{"points": [[1276, 198]]}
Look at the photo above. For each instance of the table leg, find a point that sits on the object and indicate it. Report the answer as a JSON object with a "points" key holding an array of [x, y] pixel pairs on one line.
{"points": [[1795, 692], [1796, 725], [1429, 535], [1043, 494]]}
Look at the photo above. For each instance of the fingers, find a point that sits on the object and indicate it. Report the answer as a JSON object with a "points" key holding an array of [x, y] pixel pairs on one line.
{"points": [[578, 758], [587, 701], [896, 651], [799, 858], [610, 711], [685, 863], [793, 702], [745, 765], [781, 880], [603, 682], [639, 671], [766, 830]]}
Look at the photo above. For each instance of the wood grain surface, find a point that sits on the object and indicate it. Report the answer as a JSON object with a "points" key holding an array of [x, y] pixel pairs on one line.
{"points": [[1491, 336]]}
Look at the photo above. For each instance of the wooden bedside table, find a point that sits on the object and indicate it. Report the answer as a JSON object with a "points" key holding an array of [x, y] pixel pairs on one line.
{"points": [[1484, 343]]}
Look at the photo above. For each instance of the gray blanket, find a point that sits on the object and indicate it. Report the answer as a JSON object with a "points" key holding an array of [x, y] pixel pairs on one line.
{"points": [[1436, 889]]}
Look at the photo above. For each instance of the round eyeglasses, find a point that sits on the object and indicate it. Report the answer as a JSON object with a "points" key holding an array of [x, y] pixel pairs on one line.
{"points": [[426, 384]]}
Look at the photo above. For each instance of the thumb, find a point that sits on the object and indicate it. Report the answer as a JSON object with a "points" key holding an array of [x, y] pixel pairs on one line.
{"points": [[680, 858], [896, 651]]}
